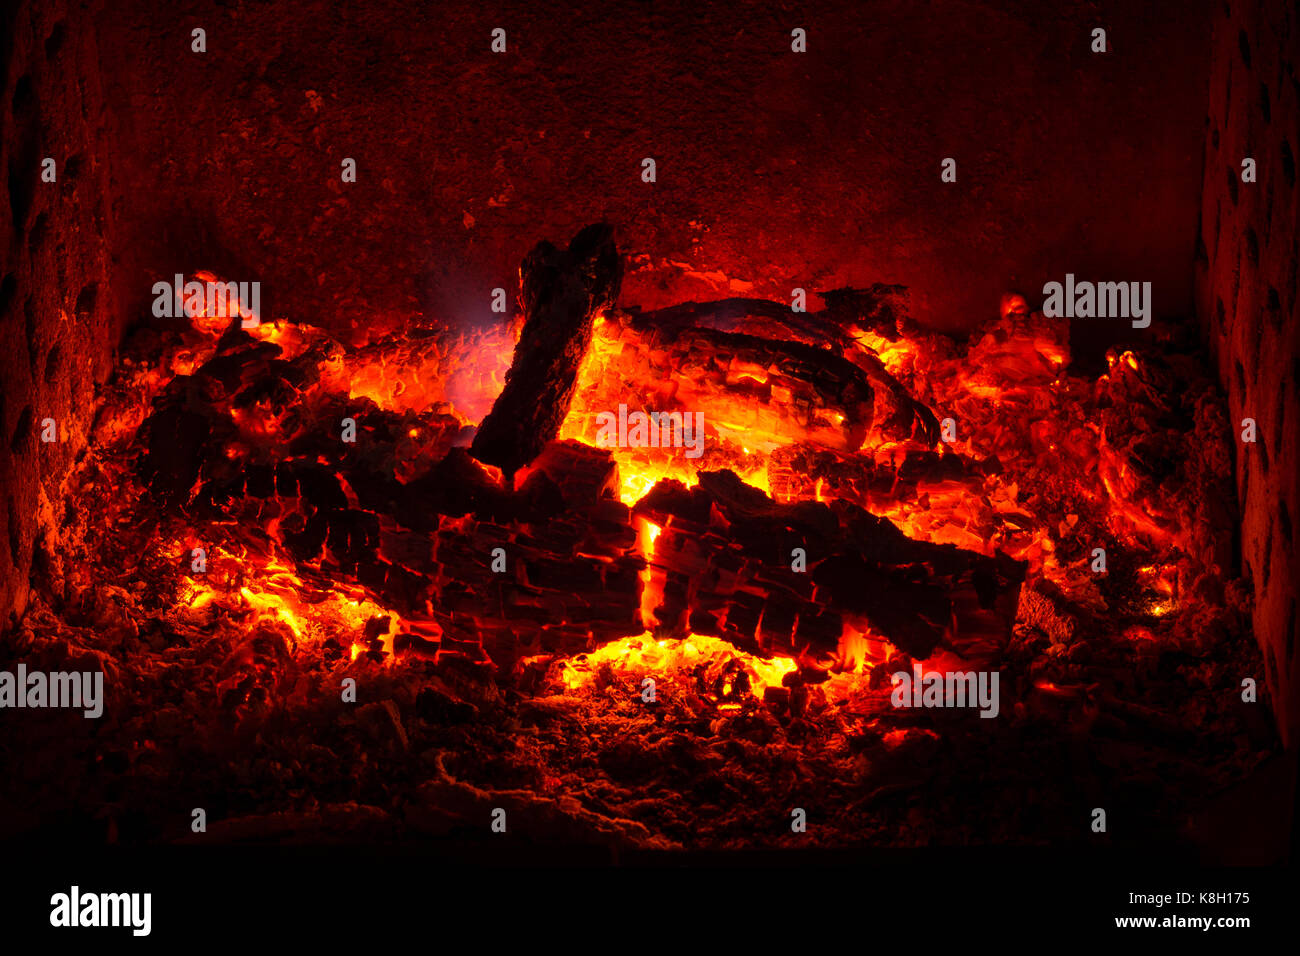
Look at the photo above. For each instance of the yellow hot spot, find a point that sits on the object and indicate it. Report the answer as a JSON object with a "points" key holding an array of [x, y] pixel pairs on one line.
{"points": [[635, 657], [273, 604]]}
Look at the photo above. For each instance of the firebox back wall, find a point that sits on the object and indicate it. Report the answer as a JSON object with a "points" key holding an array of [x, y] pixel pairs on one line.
{"points": [[775, 170]]}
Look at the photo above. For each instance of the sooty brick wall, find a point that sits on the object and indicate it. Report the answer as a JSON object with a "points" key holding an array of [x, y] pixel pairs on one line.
{"points": [[59, 319], [1246, 299]]}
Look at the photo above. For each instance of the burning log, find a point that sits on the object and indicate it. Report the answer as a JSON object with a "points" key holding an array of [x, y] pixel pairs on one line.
{"points": [[561, 292], [553, 560], [261, 555]]}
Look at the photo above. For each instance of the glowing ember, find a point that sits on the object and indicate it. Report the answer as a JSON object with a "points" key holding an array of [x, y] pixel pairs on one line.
{"points": [[1066, 471], [274, 592]]}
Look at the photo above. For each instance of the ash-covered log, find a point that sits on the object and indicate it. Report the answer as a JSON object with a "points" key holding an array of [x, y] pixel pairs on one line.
{"points": [[561, 291]]}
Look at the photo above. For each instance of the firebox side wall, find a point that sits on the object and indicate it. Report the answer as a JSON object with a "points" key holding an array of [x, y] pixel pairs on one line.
{"points": [[60, 315], [774, 169], [1246, 298]]}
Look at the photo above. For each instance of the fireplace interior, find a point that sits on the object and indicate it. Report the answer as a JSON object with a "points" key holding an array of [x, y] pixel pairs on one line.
{"points": [[530, 488]]}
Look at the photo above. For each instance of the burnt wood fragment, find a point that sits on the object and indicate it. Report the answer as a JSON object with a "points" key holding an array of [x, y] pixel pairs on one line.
{"points": [[882, 308], [177, 437]]}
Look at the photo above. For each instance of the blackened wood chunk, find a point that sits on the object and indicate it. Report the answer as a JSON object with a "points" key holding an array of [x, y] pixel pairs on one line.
{"points": [[456, 486], [540, 497], [278, 386], [819, 629], [561, 291], [320, 487], [918, 594], [286, 480], [226, 373], [756, 518], [353, 536], [795, 344], [261, 481], [880, 308], [177, 437], [583, 474], [306, 545], [671, 497], [905, 604]]}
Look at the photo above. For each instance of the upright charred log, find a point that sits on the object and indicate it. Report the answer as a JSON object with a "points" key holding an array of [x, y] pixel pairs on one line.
{"points": [[561, 291]]}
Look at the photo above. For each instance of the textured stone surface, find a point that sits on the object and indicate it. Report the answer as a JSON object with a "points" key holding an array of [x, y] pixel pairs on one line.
{"points": [[1246, 300], [775, 169], [58, 299]]}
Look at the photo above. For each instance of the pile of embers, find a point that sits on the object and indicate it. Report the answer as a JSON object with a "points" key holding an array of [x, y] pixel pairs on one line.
{"points": [[263, 513]]}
